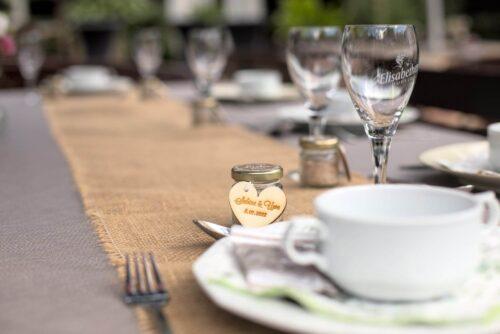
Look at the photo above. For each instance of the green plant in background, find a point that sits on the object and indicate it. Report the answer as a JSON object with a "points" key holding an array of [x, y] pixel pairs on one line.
{"points": [[314, 12], [292, 13], [399, 11], [208, 15], [130, 12], [486, 24], [385, 11]]}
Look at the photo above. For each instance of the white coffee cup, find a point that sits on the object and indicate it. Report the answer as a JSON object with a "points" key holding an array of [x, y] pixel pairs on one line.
{"points": [[494, 144], [395, 242], [255, 83]]}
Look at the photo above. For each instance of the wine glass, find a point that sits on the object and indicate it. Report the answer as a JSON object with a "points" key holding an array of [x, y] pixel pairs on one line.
{"points": [[148, 52], [30, 58], [313, 58], [207, 52], [380, 65]]}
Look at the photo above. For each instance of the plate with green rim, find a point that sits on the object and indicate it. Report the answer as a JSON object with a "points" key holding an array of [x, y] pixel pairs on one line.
{"points": [[216, 268]]}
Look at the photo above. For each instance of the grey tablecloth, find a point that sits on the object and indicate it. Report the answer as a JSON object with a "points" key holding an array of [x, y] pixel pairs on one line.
{"points": [[54, 277]]}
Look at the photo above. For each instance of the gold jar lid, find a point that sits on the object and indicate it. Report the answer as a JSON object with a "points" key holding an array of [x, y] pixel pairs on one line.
{"points": [[322, 143], [257, 172]]}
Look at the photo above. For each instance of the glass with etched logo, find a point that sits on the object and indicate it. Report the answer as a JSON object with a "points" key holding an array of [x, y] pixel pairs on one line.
{"points": [[380, 65]]}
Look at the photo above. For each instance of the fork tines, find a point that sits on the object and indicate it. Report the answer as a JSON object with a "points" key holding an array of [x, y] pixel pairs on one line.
{"points": [[143, 283]]}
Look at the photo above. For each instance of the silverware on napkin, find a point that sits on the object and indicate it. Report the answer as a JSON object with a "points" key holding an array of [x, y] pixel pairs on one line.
{"points": [[273, 232], [144, 287], [468, 188]]}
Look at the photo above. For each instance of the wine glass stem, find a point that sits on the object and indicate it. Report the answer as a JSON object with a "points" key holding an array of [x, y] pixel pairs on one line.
{"points": [[205, 88], [31, 84], [380, 148], [317, 124]]}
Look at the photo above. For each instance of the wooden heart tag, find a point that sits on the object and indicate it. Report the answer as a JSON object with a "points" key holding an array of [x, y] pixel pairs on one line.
{"points": [[256, 210]]}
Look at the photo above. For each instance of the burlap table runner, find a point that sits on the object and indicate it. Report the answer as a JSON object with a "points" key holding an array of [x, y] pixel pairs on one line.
{"points": [[143, 174]]}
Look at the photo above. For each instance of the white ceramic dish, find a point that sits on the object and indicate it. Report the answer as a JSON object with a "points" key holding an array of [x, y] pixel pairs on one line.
{"points": [[288, 317], [457, 153], [230, 91], [341, 112], [114, 85], [87, 79], [89, 73], [258, 82]]}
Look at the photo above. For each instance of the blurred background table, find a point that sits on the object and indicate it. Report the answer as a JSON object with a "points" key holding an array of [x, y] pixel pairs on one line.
{"points": [[409, 142], [459, 40]]}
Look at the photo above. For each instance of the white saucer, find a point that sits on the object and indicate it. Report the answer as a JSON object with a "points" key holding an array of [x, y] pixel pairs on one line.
{"points": [[115, 84], [286, 316], [91, 79], [463, 160]]}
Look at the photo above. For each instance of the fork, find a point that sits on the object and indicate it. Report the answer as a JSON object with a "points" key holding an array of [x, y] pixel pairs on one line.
{"points": [[144, 287]]}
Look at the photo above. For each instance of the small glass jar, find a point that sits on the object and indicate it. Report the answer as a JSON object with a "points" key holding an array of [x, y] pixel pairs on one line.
{"points": [[261, 175], [321, 159]]}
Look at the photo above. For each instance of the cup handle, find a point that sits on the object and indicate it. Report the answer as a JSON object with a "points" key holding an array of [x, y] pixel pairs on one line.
{"points": [[305, 225], [490, 202], [345, 164]]}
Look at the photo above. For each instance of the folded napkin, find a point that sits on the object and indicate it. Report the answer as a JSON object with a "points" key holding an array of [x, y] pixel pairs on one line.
{"points": [[265, 265], [257, 265]]}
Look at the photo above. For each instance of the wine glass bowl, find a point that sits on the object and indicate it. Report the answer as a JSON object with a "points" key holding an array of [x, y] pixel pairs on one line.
{"points": [[313, 59], [147, 52], [379, 66], [207, 52]]}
